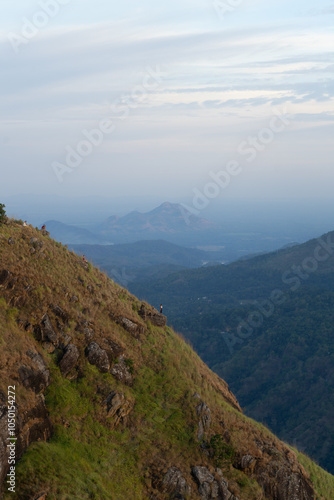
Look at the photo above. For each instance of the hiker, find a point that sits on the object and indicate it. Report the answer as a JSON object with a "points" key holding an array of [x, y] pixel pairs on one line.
{"points": [[43, 227], [160, 308], [25, 224], [84, 259]]}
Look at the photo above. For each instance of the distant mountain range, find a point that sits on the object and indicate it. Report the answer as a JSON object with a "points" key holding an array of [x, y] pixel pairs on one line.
{"points": [[265, 324], [168, 218], [169, 221]]}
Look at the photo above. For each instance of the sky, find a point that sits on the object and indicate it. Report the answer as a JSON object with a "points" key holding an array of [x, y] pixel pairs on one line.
{"points": [[196, 100]]}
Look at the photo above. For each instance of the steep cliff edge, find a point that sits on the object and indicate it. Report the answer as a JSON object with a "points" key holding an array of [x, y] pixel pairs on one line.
{"points": [[112, 404]]}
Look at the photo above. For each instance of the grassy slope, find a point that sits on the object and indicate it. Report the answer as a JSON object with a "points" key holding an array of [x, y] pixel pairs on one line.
{"points": [[86, 458]]}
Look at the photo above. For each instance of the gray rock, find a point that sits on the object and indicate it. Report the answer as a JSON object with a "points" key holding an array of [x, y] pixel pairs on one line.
{"points": [[209, 487], [204, 414], [175, 484], [36, 377], [74, 298], [154, 317], [88, 333], [69, 360], [246, 461], [131, 327], [121, 372], [97, 357], [47, 331], [11, 241], [58, 311], [118, 408]]}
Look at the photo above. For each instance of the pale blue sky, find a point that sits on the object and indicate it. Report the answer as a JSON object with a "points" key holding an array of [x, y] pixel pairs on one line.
{"points": [[223, 78]]}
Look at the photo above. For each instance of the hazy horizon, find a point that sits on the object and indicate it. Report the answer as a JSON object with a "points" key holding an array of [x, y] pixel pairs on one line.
{"points": [[231, 99]]}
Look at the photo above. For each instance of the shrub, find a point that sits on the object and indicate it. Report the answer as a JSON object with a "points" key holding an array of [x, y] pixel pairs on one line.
{"points": [[2, 213], [221, 452]]}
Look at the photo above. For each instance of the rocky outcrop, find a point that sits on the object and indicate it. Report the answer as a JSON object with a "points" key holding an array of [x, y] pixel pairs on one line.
{"points": [[131, 327], [36, 376], [97, 357], [153, 316], [117, 407], [121, 372], [211, 486], [204, 414], [175, 485], [278, 472], [47, 332], [69, 360]]}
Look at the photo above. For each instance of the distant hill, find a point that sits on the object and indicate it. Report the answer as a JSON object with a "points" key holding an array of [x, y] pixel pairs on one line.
{"points": [[66, 234], [266, 325], [169, 221], [143, 260]]}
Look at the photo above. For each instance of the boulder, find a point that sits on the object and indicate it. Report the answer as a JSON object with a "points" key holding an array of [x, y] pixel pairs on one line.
{"points": [[48, 334], [70, 359], [247, 463], [121, 372], [131, 327], [97, 357], [210, 486], [117, 407], [175, 484]]}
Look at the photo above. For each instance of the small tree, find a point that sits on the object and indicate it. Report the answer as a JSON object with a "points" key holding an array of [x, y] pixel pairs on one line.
{"points": [[2, 213]]}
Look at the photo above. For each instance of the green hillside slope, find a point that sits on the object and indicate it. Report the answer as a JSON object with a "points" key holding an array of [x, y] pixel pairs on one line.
{"points": [[112, 404]]}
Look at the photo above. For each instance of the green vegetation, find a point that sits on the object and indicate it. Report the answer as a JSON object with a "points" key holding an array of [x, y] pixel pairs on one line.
{"points": [[281, 369], [2, 213], [221, 451]]}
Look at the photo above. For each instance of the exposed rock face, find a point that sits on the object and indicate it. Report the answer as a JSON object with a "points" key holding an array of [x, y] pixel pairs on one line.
{"points": [[47, 331], [118, 408], [69, 360], [175, 484], [58, 311], [131, 327], [209, 486], [279, 474], [204, 414], [37, 376], [121, 372], [280, 483], [98, 357], [153, 316]]}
